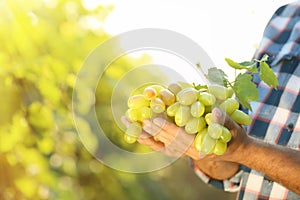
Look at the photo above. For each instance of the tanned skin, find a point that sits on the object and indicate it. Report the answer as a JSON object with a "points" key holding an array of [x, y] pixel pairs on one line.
{"points": [[280, 164]]}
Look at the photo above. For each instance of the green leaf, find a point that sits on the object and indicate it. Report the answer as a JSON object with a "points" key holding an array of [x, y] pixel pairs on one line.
{"points": [[267, 75], [217, 76], [234, 64], [247, 65], [245, 90], [250, 66]]}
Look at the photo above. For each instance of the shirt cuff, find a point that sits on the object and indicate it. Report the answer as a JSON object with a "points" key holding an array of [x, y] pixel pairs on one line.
{"points": [[228, 185]]}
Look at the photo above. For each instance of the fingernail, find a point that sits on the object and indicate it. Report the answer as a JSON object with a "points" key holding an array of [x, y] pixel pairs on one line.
{"points": [[159, 121], [146, 122], [217, 112], [147, 128], [144, 135]]}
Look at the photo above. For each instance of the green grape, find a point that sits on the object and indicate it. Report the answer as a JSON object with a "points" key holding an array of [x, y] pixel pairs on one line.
{"points": [[144, 113], [195, 125], [149, 93], [219, 91], [207, 99], [226, 135], [134, 129], [167, 96], [172, 109], [174, 88], [208, 144], [215, 130], [140, 89], [230, 92], [137, 101], [129, 139], [202, 124], [229, 106], [157, 87], [157, 105], [197, 109], [191, 126], [208, 118], [187, 96], [199, 139], [132, 114], [241, 118], [185, 85], [220, 147], [182, 115]]}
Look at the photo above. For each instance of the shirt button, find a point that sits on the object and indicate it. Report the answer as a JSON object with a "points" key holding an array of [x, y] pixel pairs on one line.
{"points": [[290, 126]]}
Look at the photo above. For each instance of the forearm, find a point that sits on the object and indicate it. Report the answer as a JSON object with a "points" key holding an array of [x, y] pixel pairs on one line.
{"points": [[278, 163]]}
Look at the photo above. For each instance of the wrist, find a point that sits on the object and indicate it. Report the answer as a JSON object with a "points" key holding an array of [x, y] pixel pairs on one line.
{"points": [[242, 150], [219, 170]]}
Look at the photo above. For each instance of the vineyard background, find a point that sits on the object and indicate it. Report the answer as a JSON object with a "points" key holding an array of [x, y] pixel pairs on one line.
{"points": [[43, 46]]}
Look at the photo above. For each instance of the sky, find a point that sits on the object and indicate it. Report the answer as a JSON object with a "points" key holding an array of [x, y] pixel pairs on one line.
{"points": [[231, 28]]}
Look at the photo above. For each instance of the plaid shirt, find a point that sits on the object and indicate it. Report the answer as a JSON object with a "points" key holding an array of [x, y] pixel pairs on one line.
{"points": [[276, 117]]}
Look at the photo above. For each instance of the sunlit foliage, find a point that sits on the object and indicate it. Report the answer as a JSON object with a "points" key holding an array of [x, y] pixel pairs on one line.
{"points": [[43, 44]]}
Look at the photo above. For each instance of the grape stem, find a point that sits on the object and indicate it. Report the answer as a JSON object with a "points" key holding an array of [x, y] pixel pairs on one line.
{"points": [[199, 67]]}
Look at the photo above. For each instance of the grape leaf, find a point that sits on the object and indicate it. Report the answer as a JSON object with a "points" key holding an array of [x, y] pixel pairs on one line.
{"points": [[234, 64], [247, 65], [245, 90], [267, 75], [250, 66], [217, 76]]}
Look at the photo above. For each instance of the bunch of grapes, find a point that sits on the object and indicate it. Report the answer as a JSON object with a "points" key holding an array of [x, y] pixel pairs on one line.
{"points": [[189, 108]]}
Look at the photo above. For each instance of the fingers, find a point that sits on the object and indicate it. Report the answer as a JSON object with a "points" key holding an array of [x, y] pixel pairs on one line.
{"points": [[166, 126], [159, 127], [175, 139], [145, 138], [125, 121], [163, 130], [148, 140], [158, 146], [172, 139]]}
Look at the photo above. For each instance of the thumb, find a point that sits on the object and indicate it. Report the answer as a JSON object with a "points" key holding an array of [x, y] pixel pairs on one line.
{"points": [[222, 118]]}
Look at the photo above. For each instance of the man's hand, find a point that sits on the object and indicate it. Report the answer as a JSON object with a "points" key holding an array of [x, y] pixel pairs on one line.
{"points": [[169, 139], [281, 164], [174, 141]]}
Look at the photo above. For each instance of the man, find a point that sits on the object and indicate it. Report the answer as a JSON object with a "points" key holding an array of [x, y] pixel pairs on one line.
{"points": [[262, 162]]}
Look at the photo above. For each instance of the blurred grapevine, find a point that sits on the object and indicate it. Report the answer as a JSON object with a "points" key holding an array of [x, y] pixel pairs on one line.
{"points": [[43, 45]]}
